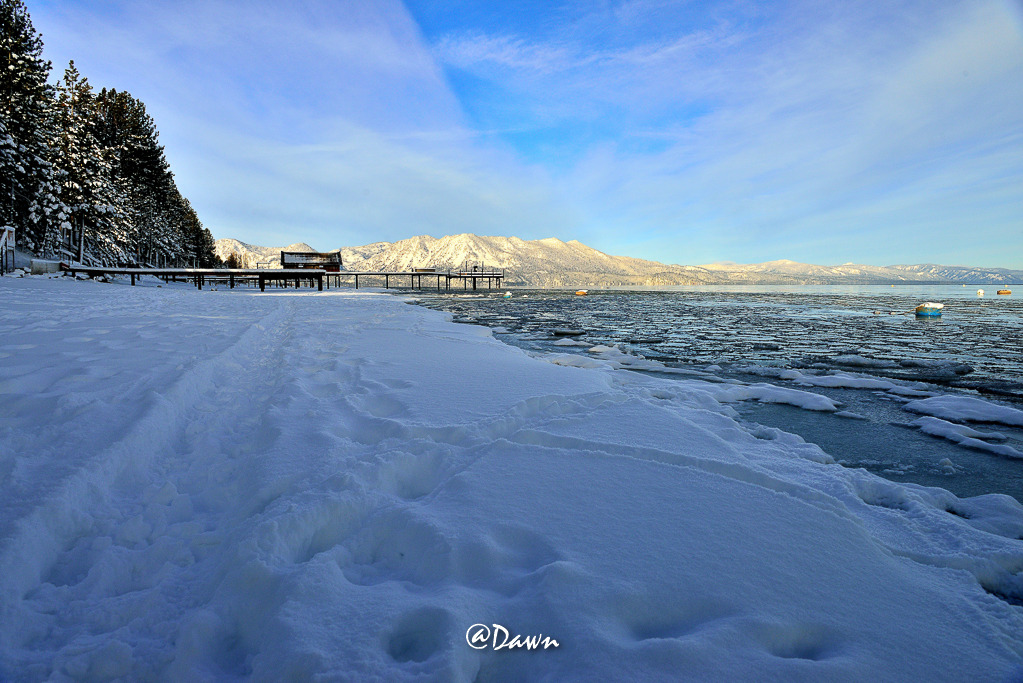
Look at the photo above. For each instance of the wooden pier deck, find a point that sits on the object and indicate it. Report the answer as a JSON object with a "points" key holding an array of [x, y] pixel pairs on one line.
{"points": [[200, 276], [284, 277]]}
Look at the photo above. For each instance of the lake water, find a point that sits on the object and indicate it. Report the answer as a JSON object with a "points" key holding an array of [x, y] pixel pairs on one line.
{"points": [[747, 333]]}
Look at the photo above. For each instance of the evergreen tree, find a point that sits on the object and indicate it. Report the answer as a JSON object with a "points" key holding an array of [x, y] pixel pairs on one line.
{"points": [[84, 171], [197, 239], [8, 161], [26, 179], [81, 171], [129, 136]]}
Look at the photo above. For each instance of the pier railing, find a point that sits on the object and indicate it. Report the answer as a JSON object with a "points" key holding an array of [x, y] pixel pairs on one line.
{"points": [[492, 276], [490, 272]]}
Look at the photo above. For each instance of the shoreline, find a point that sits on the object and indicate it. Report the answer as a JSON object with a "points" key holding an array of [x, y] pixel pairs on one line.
{"points": [[342, 483]]}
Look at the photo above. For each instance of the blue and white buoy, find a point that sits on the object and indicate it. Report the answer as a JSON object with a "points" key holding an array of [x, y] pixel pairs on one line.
{"points": [[929, 310]]}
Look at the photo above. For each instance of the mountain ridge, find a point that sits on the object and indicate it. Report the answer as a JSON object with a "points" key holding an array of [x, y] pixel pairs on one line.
{"points": [[551, 262]]}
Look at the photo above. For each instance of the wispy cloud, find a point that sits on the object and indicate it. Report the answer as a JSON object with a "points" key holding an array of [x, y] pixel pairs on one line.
{"points": [[323, 122], [828, 132], [366, 187]]}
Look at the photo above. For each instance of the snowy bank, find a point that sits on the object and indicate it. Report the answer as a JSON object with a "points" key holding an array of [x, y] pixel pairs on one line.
{"points": [[210, 485]]}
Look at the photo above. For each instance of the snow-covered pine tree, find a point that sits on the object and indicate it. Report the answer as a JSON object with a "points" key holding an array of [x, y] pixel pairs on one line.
{"points": [[27, 198], [161, 225], [8, 161], [129, 135], [84, 171], [198, 239], [81, 172]]}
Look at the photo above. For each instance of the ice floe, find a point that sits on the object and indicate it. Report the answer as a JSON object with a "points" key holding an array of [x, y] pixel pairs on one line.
{"points": [[967, 408], [966, 436]]}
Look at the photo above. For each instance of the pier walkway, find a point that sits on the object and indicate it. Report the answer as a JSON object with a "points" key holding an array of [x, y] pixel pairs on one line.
{"points": [[200, 276], [285, 277]]}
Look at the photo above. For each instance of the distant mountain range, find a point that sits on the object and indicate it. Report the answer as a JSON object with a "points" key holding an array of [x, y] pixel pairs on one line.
{"points": [[553, 263]]}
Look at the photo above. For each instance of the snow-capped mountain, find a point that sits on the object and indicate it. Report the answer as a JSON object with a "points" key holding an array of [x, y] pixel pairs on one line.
{"points": [[553, 263], [786, 272], [252, 256], [538, 263], [964, 274]]}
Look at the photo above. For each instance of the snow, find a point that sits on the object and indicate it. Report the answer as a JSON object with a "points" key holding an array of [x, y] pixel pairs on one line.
{"points": [[769, 393], [571, 342], [856, 360], [965, 436], [218, 485], [967, 408]]}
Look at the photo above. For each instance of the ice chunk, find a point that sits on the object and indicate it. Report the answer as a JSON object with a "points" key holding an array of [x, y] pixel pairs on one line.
{"points": [[966, 408], [965, 436], [571, 342], [862, 362]]}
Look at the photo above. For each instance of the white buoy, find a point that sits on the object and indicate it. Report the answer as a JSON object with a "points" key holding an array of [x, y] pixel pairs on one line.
{"points": [[980, 292]]}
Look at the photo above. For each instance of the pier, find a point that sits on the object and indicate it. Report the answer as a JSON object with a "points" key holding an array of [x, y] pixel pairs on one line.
{"points": [[470, 278], [200, 276]]}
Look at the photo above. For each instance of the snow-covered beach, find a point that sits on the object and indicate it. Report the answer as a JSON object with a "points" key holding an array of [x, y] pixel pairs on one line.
{"points": [[218, 485]]}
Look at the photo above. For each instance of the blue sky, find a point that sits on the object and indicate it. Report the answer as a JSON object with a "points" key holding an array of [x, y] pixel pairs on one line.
{"points": [[684, 132]]}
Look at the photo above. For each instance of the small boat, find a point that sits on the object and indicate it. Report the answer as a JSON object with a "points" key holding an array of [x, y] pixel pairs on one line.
{"points": [[507, 295], [581, 292], [929, 310], [1004, 291], [980, 292]]}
